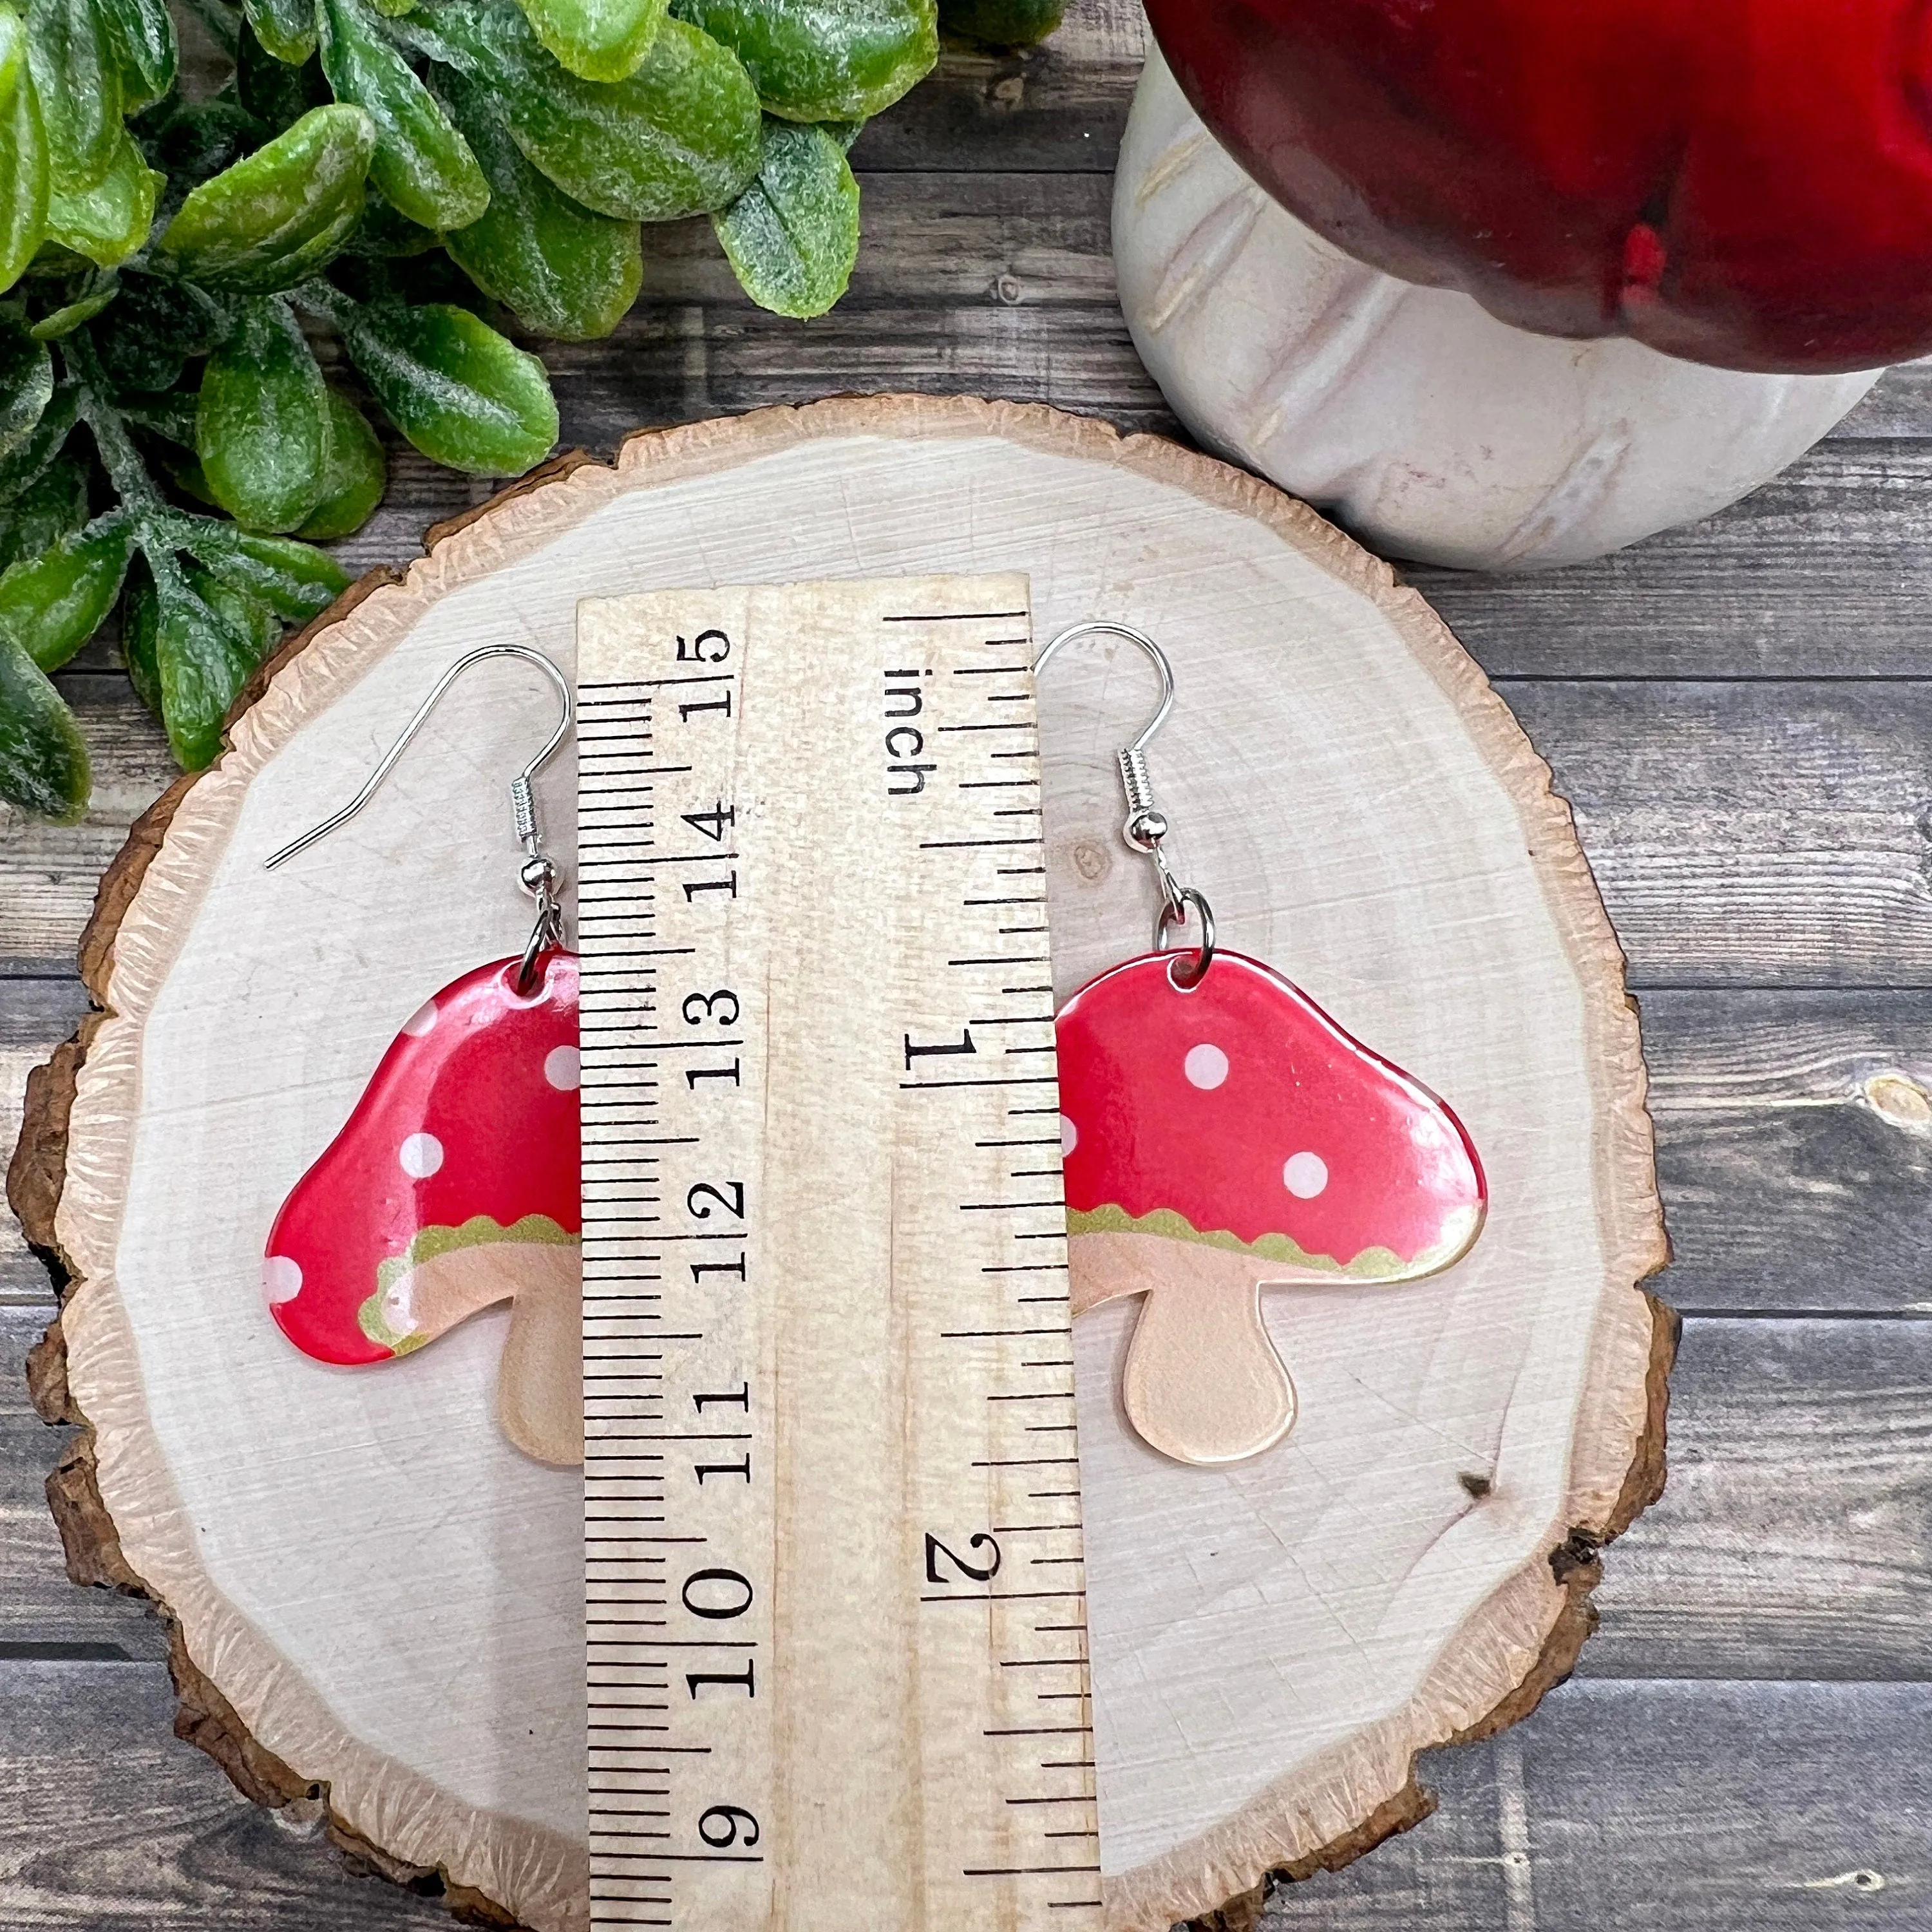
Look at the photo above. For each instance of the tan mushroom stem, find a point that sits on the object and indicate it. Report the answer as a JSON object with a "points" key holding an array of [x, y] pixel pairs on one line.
{"points": [[540, 1388], [1203, 1381]]}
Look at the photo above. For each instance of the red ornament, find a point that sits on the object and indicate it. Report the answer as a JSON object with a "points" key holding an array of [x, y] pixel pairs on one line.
{"points": [[455, 1184], [1227, 1136], [1742, 182]]}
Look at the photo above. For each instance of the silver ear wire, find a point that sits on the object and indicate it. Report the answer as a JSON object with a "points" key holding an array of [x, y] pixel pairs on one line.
{"points": [[1146, 825], [539, 874]]}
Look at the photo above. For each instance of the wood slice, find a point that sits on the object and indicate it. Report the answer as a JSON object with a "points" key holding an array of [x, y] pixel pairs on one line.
{"points": [[378, 1600]]}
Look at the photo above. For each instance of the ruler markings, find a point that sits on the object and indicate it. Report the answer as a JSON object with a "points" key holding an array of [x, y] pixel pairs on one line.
{"points": [[631, 832], [960, 617]]}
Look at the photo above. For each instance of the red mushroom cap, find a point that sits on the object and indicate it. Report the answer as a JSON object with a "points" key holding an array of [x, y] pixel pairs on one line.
{"points": [[1238, 1113], [466, 1136], [1743, 182]]}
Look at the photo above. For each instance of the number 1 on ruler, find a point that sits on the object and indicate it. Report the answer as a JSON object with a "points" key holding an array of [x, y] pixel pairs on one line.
{"points": [[837, 1664]]}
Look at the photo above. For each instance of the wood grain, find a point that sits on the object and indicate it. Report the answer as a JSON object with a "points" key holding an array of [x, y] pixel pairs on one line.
{"points": [[1794, 1539], [1897, 407], [1640, 1806], [35, 1016], [1190, 1829], [1819, 573], [1787, 1187], [1796, 1164], [937, 238], [41, 1613], [1623, 1807], [1749, 833], [1797, 1173], [1662, 1807], [108, 1824], [1743, 834], [1740, 1570]]}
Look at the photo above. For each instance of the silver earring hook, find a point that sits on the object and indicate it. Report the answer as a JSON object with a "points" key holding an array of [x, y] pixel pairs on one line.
{"points": [[539, 875], [1146, 825]]}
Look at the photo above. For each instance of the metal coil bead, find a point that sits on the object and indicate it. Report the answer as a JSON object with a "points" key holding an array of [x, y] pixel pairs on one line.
{"points": [[1146, 824], [524, 806]]}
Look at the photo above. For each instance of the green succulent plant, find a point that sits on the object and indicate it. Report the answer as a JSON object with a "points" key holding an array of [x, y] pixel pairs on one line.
{"points": [[384, 170]]}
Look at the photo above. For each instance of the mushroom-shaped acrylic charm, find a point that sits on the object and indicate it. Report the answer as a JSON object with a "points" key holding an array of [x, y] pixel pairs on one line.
{"points": [[454, 1185], [1224, 1136]]}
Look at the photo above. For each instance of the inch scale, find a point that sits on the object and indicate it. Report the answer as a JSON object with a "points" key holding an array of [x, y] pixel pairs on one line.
{"points": [[837, 1658]]}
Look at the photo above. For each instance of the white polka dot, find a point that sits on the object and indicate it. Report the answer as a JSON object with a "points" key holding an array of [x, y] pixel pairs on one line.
{"points": [[421, 1155], [1069, 1137], [281, 1279], [563, 1068], [1305, 1175], [1206, 1066], [420, 1021]]}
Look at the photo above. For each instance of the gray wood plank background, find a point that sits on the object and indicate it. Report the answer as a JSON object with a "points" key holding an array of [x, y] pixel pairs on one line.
{"points": [[1741, 714]]}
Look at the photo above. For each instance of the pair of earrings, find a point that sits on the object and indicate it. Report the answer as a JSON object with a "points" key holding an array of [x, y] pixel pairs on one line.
{"points": [[1220, 1134]]}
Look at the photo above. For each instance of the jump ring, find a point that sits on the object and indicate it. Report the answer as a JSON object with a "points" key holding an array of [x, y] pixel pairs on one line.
{"points": [[1174, 913], [547, 931]]}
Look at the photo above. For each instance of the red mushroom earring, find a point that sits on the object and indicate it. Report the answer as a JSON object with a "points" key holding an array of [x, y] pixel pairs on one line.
{"points": [[454, 1184], [1221, 1135]]}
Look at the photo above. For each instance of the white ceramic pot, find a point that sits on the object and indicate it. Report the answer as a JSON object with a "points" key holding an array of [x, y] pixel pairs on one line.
{"points": [[1430, 429]]}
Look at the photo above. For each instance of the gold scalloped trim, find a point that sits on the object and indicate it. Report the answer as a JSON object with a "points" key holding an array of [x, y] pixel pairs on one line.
{"points": [[1380, 1264], [426, 1243]]}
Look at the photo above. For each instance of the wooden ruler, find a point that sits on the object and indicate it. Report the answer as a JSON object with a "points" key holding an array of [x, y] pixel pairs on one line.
{"points": [[837, 1644]]}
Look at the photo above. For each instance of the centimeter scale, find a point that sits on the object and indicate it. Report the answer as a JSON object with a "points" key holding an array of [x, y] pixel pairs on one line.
{"points": [[836, 1669]]}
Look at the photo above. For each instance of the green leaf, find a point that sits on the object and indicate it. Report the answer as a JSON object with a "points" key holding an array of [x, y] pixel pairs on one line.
{"points": [[793, 235], [465, 396], [140, 623], [185, 474], [292, 580], [21, 471], [262, 433], [240, 614], [277, 94], [52, 603], [1002, 23], [54, 508], [200, 664], [600, 40], [107, 222], [171, 415], [23, 156], [278, 214], [77, 81], [287, 28], [93, 295], [679, 137], [158, 325], [141, 33], [825, 60], [26, 385], [357, 474], [422, 166], [563, 271], [44, 767], [394, 236], [190, 141]]}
